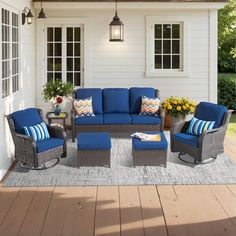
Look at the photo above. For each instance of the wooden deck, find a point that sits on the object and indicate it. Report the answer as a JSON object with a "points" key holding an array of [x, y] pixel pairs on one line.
{"points": [[197, 210]]}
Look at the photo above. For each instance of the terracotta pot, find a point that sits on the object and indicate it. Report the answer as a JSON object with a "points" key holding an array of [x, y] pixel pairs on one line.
{"points": [[167, 121]]}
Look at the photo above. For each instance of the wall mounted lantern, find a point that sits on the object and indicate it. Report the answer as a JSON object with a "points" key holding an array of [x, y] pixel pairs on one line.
{"points": [[41, 13], [27, 16], [116, 28]]}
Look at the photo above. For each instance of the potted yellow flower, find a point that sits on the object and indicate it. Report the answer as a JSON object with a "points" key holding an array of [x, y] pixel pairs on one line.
{"points": [[177, 108]]}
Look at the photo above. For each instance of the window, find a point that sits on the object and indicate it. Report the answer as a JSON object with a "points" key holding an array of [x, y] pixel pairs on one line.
{"points": [[167, 47], [64, 54], [10, 52]]}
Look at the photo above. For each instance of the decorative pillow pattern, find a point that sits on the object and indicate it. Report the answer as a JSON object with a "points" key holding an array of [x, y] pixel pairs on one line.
{"points": [[37, 132], [150, 106], [83, 107], [197, 127]]}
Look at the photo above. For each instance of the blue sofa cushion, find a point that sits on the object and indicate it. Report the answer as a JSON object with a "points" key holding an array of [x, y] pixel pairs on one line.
{"points": [[94, 141], [27, 117], [188, 139], [89, 120], [150, 145], [115, 119], [210, 112], [95, 93], [135, 98], [145, 120], [115, 100], [46, 144]]}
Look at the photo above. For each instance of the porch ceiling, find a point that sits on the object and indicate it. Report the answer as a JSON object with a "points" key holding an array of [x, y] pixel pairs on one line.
{"points": [[130, 0]]}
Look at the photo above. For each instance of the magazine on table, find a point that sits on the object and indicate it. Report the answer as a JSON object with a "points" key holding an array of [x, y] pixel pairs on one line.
{"points": [[147, 137]]}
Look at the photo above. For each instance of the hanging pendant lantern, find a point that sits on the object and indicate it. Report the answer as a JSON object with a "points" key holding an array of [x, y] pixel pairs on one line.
{"points": [[116, 29], [41, 15]]}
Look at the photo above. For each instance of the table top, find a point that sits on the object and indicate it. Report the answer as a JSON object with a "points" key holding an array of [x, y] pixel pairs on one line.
{"points": [[51, 115]]}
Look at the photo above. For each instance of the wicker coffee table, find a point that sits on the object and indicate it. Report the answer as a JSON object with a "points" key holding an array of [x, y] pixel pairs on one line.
{"points": [[150, 153], [94, 149]]}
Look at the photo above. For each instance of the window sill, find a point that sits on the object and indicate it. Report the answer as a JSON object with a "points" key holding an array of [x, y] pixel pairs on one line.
{"points": [[162, 74]]}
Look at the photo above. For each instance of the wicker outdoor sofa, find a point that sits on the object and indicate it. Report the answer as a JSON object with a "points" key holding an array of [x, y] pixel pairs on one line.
{"points": [[116, 110]]}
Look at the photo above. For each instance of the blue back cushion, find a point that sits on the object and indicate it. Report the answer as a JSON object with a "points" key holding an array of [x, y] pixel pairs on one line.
{"points": [[135, 98], [27, 117], [95, 93], [210, 112], [115, 100]]}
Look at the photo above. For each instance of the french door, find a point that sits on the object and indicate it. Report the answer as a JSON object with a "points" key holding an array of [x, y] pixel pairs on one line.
{"points": [[64, 53]]}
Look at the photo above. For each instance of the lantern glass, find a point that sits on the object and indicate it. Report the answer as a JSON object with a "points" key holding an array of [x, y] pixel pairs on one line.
{"points": [[29, 20]]}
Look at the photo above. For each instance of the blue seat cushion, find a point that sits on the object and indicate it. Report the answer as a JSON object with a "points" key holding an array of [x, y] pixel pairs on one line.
{"points": [[145, 120], [112, 119], [46, 144], [135, 98], [95, 93], [27, 117], [186, 139], [150, 145], [210, 112], [115, 100], [94, 141], [89, 120]]}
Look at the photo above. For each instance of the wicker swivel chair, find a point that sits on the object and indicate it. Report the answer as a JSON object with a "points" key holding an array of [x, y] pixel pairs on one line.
{"points": [[31, 154], [209, 144]]}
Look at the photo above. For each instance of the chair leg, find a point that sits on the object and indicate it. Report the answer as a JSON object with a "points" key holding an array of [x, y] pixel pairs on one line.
{"points": [[188, 162], [42, 167]]}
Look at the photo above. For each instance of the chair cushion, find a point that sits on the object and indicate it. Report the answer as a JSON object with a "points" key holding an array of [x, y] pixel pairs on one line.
{"points": [[186, 139], [83, 107], [95, 93], [115, 100], [150, 145], [94, 141], [210, 112], [89, 120], [37, 132], [46, 144], [197, 127], [150, 106], [27, 117], [135, 98], [115, 119], [145, 120]]}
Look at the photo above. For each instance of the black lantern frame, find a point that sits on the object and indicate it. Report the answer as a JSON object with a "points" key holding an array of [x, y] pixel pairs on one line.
{"points": [[42, 14], [27, 16]]}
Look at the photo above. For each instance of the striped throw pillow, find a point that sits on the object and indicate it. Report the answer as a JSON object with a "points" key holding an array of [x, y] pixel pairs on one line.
{"points": [[150, 106], [83, 107], [37, 132], [197, 127]]}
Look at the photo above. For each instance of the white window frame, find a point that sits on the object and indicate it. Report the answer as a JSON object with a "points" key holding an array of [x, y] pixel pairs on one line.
{"points": [[184, 47]]}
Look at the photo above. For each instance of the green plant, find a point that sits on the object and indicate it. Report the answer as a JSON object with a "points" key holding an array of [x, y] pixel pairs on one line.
{"points": [[57, 88], [227, 90]]}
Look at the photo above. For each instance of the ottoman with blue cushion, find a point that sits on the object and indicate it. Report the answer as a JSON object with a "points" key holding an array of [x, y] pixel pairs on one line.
{"points": [[150, 153], [94, 149]]}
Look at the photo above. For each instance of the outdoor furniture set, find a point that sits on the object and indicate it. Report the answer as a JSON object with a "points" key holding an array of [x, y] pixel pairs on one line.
{"points": [[117, 110]]}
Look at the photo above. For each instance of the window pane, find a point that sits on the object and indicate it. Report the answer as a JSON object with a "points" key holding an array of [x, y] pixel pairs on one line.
{"points": [[76, 64], [158, 31], [57, 49], [69, 64], [69, 49], [70, 77], [166, 62], [77, 49], [50, 77], [166, 46], [58, 76], [175, 46], [175, 31], [77, 79], [69, 34], [175, 62], [50, 64], [158, 62], [50, 34], [77, 34], [57, 65], [166, 30], [57, 34], [50, 49], [158, 49]]}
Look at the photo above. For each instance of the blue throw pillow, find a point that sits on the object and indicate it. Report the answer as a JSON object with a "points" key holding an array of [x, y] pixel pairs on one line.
{"points": [[197, 127], [37, 132]]}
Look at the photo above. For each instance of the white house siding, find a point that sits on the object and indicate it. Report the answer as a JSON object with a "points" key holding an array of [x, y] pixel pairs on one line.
{"points": [[124, 64], [25, 97]]}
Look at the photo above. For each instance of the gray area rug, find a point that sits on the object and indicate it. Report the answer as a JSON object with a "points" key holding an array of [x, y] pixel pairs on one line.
{"points": [[122, 172]]}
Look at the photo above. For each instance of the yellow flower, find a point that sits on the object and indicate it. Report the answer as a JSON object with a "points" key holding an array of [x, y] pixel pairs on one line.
{"points": [[187, 105], [175, 102], [184, 107], [192, 109], [178, 108], [169, 107]]}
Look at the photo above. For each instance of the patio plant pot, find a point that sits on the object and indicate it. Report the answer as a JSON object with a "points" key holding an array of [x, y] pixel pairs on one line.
{"points": [[175, 120]]}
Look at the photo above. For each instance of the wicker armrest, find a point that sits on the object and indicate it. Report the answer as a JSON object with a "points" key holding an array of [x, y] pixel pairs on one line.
{"points": [[25, 138], [57, 131], [162, 116], [179, 127]]}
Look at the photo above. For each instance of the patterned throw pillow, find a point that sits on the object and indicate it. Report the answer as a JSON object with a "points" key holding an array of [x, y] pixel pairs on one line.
{"points": [[37, 132], [150, 106], [83, 107], [197, 127]]}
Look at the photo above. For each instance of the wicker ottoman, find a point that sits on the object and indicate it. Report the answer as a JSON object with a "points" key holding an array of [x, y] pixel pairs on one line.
{"points": [[94, 149], [150, 153]]}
